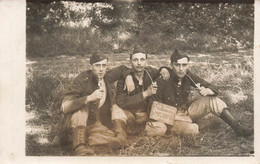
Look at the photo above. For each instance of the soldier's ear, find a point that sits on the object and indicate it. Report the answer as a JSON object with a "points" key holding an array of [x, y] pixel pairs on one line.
{"points": [[171, 64]]}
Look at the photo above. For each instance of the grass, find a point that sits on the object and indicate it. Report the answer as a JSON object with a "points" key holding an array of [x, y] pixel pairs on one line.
{"points": [[47, 79]]}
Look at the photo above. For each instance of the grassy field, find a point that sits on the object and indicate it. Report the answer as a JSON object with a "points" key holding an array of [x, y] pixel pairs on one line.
{"points": [[47, 78]]}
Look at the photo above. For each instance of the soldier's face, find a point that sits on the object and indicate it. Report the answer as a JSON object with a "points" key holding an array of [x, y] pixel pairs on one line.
{"points": [[180, 67], [99, 69], [138, 62]]}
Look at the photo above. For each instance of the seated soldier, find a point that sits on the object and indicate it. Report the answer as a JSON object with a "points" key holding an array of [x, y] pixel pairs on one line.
{"points": [[175, 91], [129, 113], [87, 104]]}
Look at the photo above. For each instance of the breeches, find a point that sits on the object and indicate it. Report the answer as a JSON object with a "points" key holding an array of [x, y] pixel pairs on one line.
{"points": [[98, 134], [79, 118], [138, 115], [201, 108], [134, 119]]}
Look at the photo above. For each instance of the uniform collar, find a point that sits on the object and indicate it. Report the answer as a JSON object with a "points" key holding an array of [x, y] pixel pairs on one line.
{"points": [[175, 78], [94, 78], [135, 79]]}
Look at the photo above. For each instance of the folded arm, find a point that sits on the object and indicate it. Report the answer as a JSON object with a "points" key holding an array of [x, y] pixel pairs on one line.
{"points": [[74, 99], [117, 73], [128, 101]]}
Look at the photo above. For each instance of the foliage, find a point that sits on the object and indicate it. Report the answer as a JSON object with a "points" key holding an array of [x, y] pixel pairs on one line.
{"points": [[75, 30], [58, 28]]}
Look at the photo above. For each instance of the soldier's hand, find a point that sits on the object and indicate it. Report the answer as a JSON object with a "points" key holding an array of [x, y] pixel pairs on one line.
{"points": [[96, 95], [165, 74], [151, 90], [129, 84], [205, 91]]}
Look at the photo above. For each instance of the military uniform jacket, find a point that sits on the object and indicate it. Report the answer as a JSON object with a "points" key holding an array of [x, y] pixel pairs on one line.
{"points": [[85, 84], [134, 100], [170, 93]]}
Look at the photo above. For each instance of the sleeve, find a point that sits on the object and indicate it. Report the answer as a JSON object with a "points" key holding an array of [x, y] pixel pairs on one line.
{"points": [[128, 101], [203, 83], [117, 73], [73, 99], [169, 70], [161, 83]]}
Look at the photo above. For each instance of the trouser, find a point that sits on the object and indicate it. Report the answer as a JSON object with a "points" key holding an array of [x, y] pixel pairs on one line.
{"points": [[134, 120], [79, 118], [98, 133], [199, 109]]}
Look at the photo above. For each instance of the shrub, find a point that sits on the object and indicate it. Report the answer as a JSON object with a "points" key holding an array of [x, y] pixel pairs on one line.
{"points": [[45, 91]]}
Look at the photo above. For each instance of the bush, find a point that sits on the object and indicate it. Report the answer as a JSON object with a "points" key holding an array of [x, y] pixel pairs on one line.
{"points": [[44, 92]]}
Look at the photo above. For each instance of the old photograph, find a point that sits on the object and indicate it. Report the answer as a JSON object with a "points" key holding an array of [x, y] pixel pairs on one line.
{"points": [[139, 78]]}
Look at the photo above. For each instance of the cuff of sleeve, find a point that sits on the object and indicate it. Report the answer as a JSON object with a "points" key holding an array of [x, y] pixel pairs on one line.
{"points": [[169, 70], [163, 67], [216, 91]]}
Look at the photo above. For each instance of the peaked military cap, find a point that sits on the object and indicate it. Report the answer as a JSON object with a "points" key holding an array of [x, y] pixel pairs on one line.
{"points": [[97, 57], [176, 55], [138, 49]]}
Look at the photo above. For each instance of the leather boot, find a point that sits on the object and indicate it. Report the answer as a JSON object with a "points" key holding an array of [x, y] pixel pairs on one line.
{"points": [[233, 123], [120, 139], [80, 148]]}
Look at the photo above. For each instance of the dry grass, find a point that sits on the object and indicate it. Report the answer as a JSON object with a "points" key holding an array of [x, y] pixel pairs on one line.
{"points": [[47, 78]]}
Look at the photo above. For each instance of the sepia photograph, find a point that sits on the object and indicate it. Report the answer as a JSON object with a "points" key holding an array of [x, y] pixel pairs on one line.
{"points": [[129, 81], [100, 74]]}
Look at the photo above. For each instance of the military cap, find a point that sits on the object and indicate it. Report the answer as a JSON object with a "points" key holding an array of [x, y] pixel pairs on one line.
{"points": [[97, 57], [176, 56], [138, 49]]}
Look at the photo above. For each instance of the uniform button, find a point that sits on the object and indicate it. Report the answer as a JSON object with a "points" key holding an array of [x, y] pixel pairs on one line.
{"points": [[178, 93], [92, 110], [176, 104]]}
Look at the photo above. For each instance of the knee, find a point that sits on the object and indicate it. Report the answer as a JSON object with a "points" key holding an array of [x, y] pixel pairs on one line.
{"points": [[76, 115], [155, 128], [219, 101], [118, 113], [214, 101], [115, 109], [217, 106], [79, 118], [185, 128]]}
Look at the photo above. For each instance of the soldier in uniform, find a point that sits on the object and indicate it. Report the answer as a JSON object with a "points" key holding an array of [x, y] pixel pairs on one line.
{"points": [[129, 113], [175, 92], [87, 105]]}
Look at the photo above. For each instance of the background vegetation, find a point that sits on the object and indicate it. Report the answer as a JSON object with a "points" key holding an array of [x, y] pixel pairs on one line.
{"points": [[57, 28], [218, 38]]}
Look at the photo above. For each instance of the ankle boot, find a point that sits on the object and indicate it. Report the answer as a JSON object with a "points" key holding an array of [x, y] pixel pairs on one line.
{"points": [[233, 123], [120, 139], [80, 148]]}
